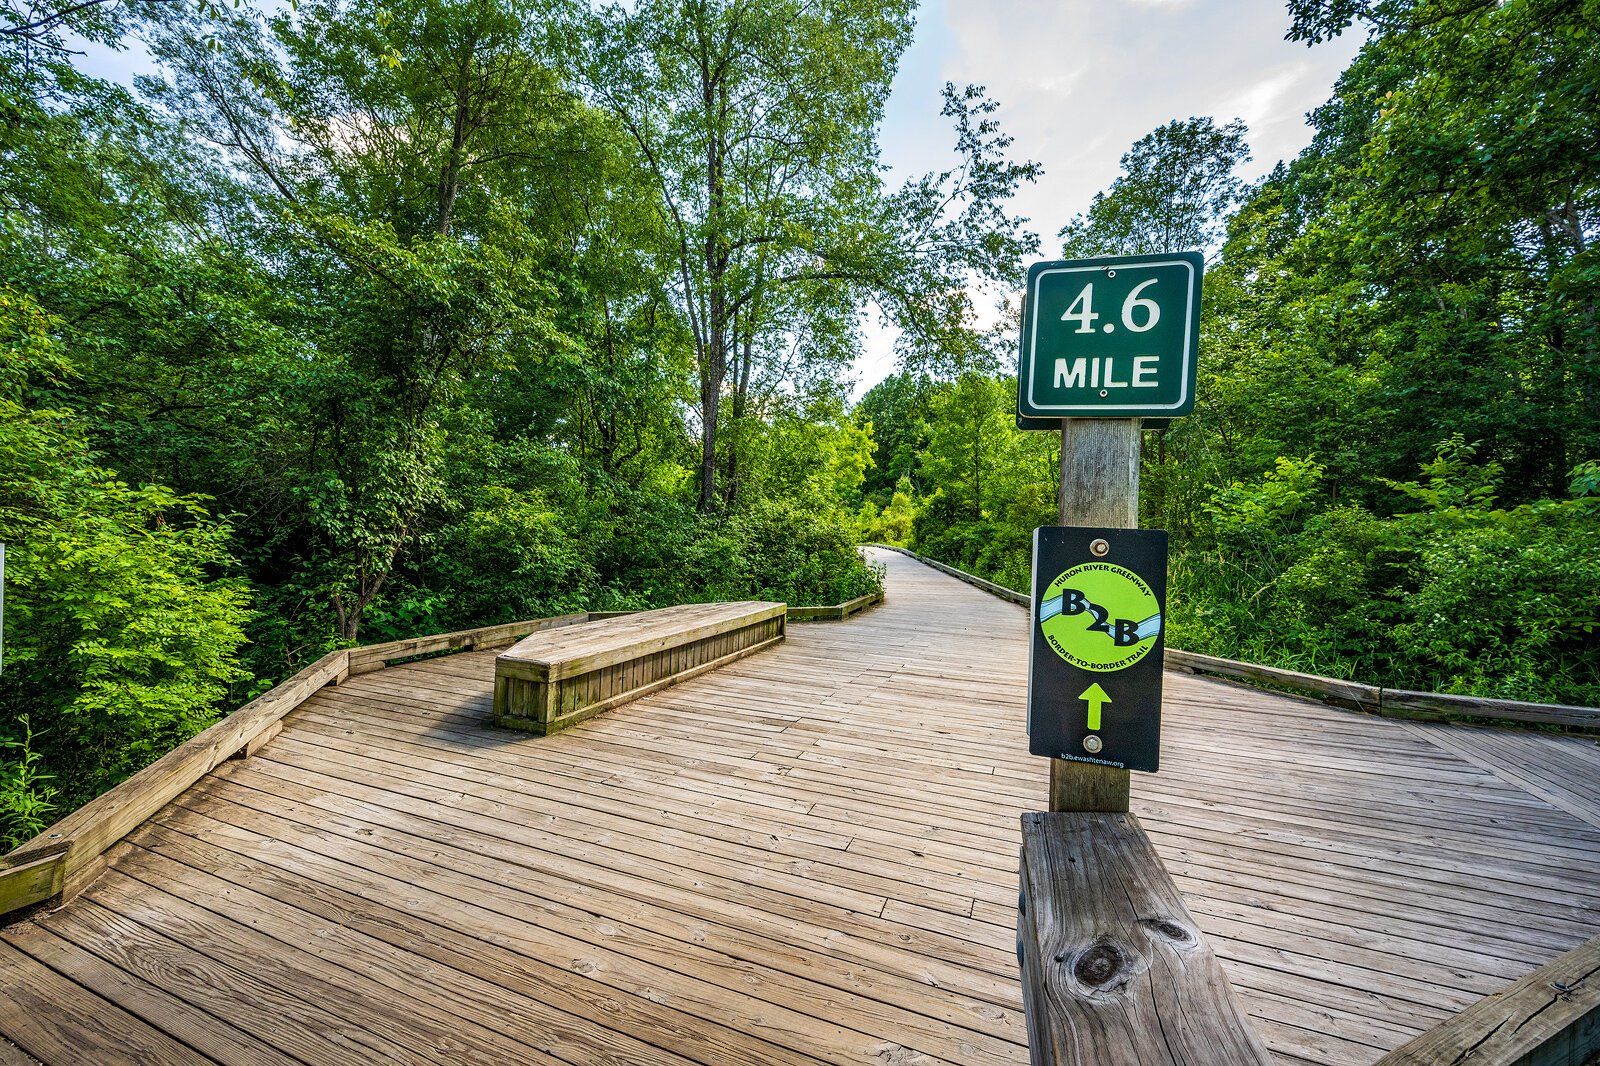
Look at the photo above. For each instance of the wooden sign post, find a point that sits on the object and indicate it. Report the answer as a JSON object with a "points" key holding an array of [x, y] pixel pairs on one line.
{"points": [[1099, 487]]}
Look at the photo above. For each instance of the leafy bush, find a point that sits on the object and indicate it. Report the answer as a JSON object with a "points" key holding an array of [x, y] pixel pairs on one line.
{"points": [[1458, 596], [120, 634], [25, 794]]}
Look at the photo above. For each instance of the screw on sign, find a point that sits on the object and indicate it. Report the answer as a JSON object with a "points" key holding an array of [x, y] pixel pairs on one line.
{"points": [[1094, 687]]}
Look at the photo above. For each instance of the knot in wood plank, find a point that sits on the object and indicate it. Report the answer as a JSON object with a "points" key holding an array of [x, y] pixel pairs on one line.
{"points": [[1104, 967], [1171, 932]]}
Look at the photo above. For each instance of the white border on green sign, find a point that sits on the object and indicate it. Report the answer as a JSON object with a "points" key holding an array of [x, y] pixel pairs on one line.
{"points": [[1188, 336]]}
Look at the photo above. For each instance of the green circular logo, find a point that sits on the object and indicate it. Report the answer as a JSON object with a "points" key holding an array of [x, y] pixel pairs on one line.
{"points": [[1100, 617]]}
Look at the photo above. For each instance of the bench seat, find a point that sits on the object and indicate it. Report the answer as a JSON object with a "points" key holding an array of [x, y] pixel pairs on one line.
{"points": [[557, 678]]}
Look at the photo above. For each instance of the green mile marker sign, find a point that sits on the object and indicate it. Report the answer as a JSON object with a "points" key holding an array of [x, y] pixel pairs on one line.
{"points": [[1110, 338]]}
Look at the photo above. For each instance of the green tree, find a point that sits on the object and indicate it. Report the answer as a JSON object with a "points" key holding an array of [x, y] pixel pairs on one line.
{"points": [[758, 124], [120, 641], [411, 176], [896, 410], [1176, 187]]}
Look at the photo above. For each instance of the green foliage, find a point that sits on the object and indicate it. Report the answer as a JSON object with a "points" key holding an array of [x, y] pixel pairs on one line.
{"points": [[119, 633], [1424, 272], [403, 295], [973, 486], [26, 795], [893, 522], [1176, 186], [1457, 595]]}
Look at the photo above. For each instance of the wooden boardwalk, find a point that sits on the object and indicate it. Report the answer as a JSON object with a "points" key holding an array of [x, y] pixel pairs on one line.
{"points": [[808, 856]]}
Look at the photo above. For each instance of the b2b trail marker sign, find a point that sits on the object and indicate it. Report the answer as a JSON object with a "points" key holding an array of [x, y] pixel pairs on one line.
{"points": [[1094, 680], [1110, 338]]}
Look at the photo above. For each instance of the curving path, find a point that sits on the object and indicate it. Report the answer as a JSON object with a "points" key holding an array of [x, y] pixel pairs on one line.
{"points": [[808, 856]]}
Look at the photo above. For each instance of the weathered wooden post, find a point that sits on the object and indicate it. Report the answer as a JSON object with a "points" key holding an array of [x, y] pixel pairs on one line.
{"points": [[1099, 487]]}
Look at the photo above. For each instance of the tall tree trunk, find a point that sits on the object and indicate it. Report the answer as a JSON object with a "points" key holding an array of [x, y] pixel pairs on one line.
{"points": [[460, 129], [744, 342], [1573, 225], [714, 366]]}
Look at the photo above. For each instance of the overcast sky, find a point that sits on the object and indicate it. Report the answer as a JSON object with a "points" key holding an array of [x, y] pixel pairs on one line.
{"points": [[1079, 81]]}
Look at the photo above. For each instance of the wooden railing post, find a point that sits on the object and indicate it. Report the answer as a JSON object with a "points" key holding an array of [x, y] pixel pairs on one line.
{"points": [[1549, 1018], [1114, 970]]}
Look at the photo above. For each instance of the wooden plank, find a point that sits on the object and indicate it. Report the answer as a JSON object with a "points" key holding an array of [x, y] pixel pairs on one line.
{"points": [[564, 653], [613, 1029], [827, 1023], [1115, 970], [12, 1055], [146, 997], [816, 614], [372, 997], [571, 679], [1401, 703], [57, 1021], [31, 878], [1351, 692], [574, 712], [259, 741], [1579, 800], [1549, 1018], [835, 613]]}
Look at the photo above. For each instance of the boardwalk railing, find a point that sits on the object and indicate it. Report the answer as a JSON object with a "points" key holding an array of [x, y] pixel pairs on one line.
{"points": [[1115, 972], [837, 612], [1549, 1018], [1388, 702], [59, 862]]}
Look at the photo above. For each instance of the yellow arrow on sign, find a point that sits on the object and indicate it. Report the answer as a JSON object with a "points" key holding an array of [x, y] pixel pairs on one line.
{"points": [[1096, 698]]}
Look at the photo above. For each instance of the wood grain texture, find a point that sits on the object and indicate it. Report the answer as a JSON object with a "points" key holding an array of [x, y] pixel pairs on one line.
{"points": [[1549, 1018], [553, 681], [1099, 487], [1078, 786], [376, 656], [66, 856], [1437, 705], [566, 652], [56, 1021], [11, 1055], [1115, 970], [83, 835], [837, 612], [31, 877]]}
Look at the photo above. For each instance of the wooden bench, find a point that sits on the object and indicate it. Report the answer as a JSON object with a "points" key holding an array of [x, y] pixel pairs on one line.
{"points": [[557, 678]]}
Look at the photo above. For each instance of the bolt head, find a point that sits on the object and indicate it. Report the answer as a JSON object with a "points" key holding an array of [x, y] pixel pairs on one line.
{"points": [[1091, 744], [1099, 547]]}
